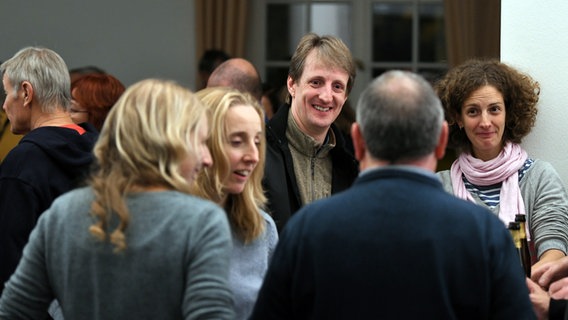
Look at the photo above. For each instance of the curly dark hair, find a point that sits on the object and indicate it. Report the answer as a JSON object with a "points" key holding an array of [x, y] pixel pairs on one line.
{"points": [[520, 94]]}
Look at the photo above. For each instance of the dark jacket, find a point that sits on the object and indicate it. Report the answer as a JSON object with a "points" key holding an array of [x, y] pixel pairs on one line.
{"points": [[557, 310], [47, 162], [394, 246], [279, 178]]}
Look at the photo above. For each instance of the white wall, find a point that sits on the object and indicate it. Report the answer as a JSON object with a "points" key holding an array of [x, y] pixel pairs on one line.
{"points": [[131, 39], [533, 39]]}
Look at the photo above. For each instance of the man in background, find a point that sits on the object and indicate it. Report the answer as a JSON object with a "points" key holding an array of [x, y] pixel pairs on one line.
{"points": [[53, 156], [239, 74], [209, 61], [306, 158]]}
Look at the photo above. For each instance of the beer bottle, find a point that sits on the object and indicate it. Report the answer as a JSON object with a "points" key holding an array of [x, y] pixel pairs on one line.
{"points": [[515, 228], [525, 250]]}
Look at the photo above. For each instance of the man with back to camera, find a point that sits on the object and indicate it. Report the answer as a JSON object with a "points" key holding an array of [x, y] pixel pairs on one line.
{"points": [[306, 158], [53, 156], [395, 245]]}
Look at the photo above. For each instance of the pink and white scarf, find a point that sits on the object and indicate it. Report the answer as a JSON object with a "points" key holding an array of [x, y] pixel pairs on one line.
{"points": [[504, 168]]}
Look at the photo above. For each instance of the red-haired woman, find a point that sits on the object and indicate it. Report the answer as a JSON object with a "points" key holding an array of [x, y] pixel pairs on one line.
{"points": [[92, 97]]}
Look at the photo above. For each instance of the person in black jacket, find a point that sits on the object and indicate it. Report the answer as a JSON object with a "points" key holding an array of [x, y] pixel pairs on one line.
{"points": [[53, 156], [306, 158]]}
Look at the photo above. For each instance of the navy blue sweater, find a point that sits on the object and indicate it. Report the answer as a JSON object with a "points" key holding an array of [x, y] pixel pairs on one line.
{"points": [[394, 246]]}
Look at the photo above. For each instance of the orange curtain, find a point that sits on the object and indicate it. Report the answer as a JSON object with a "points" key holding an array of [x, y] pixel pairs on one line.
{"points": [[8, 140], [473, 29], [221, 24]]}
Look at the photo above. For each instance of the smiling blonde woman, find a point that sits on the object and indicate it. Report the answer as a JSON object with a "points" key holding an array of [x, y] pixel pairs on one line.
{"points": [[238, 145]]}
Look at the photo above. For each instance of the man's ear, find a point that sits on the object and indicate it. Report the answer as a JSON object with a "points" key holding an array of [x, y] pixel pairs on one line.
{"points": [[440, 150], [28, 92], [290, 85], [359, 145]]}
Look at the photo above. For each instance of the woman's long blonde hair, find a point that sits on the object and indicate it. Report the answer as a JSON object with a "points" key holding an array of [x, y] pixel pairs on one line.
{"points": [[243, 209], [148, 133]]}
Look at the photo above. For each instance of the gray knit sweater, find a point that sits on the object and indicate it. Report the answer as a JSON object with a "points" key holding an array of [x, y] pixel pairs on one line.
{"points": [[546, 205], [249, 263], [175, 265]]}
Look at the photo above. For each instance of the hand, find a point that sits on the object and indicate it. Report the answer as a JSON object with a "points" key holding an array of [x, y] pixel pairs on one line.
{"points": [[559, 289], [539, 298], [548, 272], [550, 255]]}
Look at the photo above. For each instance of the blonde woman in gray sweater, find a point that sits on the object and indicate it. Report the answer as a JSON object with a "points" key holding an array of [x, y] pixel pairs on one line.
{"points": [[237, 146]]}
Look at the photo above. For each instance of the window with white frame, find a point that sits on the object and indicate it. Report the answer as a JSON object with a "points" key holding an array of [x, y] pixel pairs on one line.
{"points": [[382, 35]]}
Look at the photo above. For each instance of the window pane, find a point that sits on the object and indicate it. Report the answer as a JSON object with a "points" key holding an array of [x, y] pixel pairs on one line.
{"points": [[285, 25], [332, 19], [432, 75], [392, 32], [276, 76], [432, 37], [378, 71]]}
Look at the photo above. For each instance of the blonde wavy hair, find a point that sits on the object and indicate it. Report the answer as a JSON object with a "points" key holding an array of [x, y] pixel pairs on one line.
{"points": [[148, 133], [243, 209]]}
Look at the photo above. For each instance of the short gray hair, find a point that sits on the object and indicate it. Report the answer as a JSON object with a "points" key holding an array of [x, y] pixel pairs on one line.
{"points": [[400, 117], [45, 70]]}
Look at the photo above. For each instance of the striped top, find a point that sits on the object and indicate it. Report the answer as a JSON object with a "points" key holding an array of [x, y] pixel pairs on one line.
{"points": [[490, 194]]}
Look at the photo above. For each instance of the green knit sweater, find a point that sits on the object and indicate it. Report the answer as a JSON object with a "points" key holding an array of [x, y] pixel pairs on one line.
{"points": [[312, 162]]}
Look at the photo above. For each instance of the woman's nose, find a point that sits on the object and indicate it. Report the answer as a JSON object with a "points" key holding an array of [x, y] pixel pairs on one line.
{"points": [[252, 155], [206, 159]]}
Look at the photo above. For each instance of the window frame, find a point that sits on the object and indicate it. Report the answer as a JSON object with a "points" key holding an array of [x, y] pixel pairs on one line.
{"points": [[361, 45]]}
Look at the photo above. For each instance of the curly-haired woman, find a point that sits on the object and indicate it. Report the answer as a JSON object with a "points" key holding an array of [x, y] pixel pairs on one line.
{"points": [[490, 107]]}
